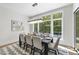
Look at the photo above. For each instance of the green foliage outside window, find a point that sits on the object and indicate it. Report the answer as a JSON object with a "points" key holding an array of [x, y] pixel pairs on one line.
{"points": [[77, 29], [44, 27], [48, 17], [57, 23], [77, 24], [57, 27], [57, 15]]}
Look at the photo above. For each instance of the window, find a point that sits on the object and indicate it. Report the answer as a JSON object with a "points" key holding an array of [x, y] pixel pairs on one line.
{"points": [[57, 19], [45, 18], [57, 27], [57, 15], [44, 27], [36, 27]]}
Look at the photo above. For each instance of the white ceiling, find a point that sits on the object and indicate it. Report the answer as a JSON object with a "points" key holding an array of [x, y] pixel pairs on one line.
{"points": [[28, 10]]}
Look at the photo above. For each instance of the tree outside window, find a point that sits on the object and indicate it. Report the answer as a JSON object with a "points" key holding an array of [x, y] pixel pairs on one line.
{"points": [[44, 27], [57, 25]]}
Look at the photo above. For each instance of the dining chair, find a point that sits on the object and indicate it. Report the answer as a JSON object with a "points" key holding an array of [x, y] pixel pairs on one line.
{"points": [[22, 40], [53, 47], [29, 43], [37, 43]]}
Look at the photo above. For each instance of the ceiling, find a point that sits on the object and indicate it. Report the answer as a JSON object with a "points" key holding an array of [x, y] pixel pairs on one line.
{"points": [[28, 10]]}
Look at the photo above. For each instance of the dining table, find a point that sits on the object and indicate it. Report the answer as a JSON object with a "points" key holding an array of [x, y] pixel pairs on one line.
{"points": [[45, 42]]}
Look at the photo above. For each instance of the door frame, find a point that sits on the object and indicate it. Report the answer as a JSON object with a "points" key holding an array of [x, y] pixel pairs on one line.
{"points": [[75, 46]]}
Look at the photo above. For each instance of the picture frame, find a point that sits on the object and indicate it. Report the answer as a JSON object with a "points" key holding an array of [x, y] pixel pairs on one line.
{"points": [[16, 25]]}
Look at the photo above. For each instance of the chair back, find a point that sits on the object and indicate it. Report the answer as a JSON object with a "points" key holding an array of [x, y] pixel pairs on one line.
{"points": [[56, 43], [22, 37], [28, 39], [37, 42]]}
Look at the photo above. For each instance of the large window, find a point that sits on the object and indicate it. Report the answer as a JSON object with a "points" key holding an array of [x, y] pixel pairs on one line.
{"points": [[36, 27], [44, 27], [57, 25]]}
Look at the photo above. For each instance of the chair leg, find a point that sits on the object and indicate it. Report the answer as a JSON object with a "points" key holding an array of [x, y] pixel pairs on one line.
{"points": [[41, 53], [26, 47], [20, 44], [31, 51], [56, 52]]}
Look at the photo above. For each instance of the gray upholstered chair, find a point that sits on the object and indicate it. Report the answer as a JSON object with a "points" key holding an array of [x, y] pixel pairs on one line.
{"points": [[53, 47], [37, 43], [29, 43], [22, 40]]}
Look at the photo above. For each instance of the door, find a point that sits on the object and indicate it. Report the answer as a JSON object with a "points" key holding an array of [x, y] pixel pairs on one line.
{"points": [[77, 28]]}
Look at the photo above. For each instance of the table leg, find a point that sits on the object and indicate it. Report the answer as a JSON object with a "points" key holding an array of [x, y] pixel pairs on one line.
{"points": [[46, 49]]}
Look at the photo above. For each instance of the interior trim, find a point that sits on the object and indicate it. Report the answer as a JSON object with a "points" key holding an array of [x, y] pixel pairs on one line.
{"points": [[76, 10], [7, 44], [69, 47]]}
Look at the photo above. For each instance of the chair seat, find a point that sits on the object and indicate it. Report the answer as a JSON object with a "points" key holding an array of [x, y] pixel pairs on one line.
{"points": [[51, 45], [54, 46]]}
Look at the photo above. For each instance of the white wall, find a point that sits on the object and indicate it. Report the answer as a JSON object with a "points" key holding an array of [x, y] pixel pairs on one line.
{"points": [[26, 25], [6, 35], [68, 24], [75, 6]]}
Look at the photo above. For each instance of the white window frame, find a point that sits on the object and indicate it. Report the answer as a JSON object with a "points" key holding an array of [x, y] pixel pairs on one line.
{"points": [[45, 21], [51, 26], [57, 19]]}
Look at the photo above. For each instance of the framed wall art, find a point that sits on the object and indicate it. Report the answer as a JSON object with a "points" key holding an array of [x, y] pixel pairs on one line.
{"points": [[16, 25]]}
